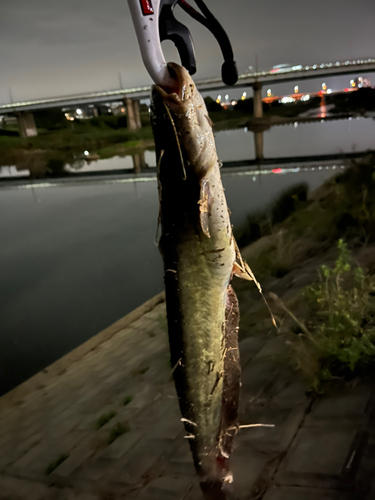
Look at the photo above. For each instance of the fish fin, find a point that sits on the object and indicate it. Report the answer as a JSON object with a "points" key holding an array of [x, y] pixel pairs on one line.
{"points": [[205, 201], [232, 375], [242, 270]]}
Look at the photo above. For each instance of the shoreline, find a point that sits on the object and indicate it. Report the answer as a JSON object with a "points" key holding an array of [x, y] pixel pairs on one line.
{"points": [[39, 379]]}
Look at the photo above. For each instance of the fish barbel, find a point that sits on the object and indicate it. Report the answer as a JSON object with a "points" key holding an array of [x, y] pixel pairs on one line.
{"points": [[199, 254]]}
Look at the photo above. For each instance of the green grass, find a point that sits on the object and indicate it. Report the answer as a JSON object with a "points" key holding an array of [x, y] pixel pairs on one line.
{"points": [[53, 465], [337, 339], [83, 136], [104, 418], [117, 431], [127, 399]]}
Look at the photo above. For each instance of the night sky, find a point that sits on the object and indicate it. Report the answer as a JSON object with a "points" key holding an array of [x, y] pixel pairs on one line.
{"points": [[51, 48]]}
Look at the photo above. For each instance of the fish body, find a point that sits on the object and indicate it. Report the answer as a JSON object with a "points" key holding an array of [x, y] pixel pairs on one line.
{"points": [[199, 254]]}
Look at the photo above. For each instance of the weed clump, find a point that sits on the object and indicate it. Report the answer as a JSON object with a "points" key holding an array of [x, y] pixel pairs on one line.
{"points": [[127, 399], [103, 419], [53, 465], [141, 370], [287, 202], [117, 431], [338, 339]]}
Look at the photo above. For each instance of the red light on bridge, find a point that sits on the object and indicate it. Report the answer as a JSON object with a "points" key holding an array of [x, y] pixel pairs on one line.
{"points": [[277, 170], [147, 8]]}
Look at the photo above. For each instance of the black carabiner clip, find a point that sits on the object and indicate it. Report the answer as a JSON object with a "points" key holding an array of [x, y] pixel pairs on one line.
{"points": [[229, 73], [171, 29]]}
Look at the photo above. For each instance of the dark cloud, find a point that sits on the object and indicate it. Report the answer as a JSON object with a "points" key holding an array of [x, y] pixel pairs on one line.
{"points": [[54, 48]]}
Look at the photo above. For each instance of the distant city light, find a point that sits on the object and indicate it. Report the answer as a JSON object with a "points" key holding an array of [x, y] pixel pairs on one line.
{"points": [[86, 153], [286, 99], [233, 103], [296, 88], [352, 83], [324, 86], [269, 93], [79, 111], [227, 97], [243, 97], [305, 97], [329, 91]]}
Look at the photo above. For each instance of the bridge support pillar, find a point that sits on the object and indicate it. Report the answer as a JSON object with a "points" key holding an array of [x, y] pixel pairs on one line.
{"points": [[257, 100], [258, 143], [26, 125], [137, 114], [139, 162], [132, 124]]}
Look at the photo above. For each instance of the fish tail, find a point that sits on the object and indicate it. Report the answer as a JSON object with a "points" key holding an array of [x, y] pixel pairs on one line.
{"points": [[217, 490]]}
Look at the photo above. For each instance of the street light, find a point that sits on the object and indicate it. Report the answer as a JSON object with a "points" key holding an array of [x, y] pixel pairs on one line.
{"points": [[296, 88]]}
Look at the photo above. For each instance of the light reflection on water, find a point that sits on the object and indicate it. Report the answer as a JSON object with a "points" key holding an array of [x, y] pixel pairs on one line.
{"points": [[329, 137], [325, 137], [114, 163]]}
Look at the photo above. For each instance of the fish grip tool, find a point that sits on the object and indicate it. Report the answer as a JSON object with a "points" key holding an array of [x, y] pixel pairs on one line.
{"points": [[154, 21], [229, 73]]}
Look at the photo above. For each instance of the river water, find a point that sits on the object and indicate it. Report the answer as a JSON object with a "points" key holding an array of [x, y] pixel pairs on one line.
{"points": [[77, 256]]}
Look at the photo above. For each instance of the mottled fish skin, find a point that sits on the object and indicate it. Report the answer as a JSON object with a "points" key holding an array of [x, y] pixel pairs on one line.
{"points": [[199, 253]]}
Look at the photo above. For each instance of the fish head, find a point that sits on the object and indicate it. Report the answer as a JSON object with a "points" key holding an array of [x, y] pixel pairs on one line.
{"points": [[184, 105]]}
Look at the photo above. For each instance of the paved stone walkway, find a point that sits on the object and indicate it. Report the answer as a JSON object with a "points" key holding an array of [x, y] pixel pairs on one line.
{"points": [[103, 423]]}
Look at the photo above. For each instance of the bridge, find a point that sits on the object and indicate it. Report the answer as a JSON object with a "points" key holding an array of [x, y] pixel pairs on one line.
{"points": [[131, 96]]}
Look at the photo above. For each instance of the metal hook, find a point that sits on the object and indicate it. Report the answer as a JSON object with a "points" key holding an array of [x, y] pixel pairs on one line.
{"points": [[154, 22]]}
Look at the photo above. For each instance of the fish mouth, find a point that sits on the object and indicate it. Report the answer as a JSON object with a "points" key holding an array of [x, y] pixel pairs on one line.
{"points": [[174, 96]]}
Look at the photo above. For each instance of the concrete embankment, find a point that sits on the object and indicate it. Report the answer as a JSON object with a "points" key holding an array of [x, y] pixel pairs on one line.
{"points": [[103, 422]]}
